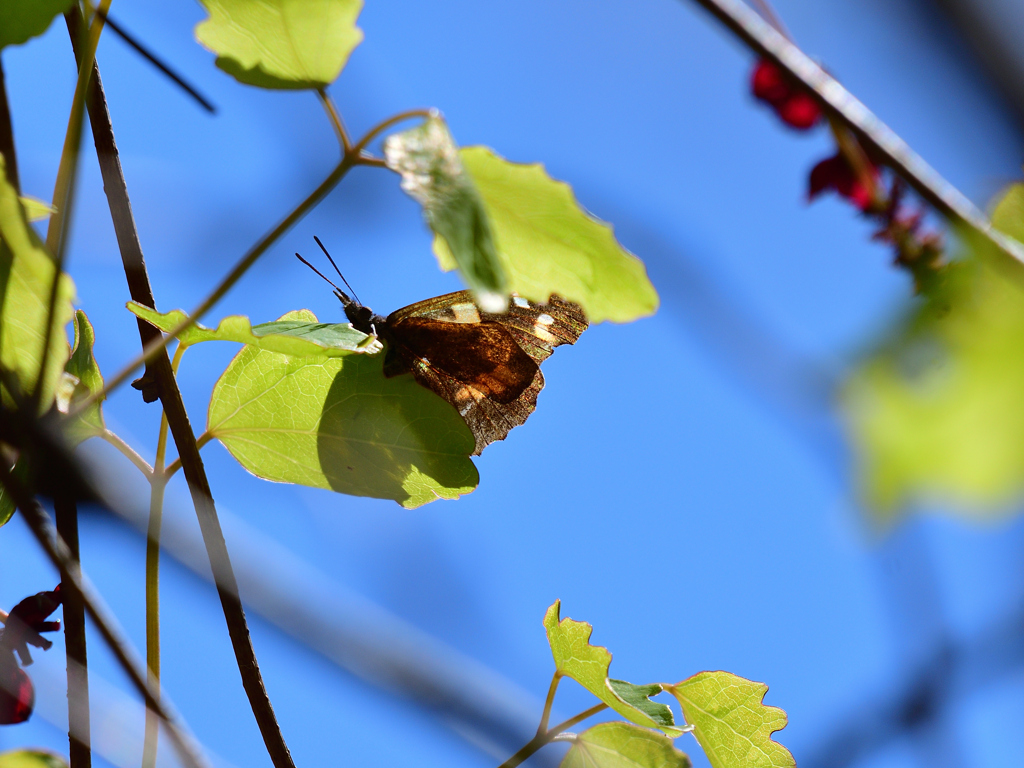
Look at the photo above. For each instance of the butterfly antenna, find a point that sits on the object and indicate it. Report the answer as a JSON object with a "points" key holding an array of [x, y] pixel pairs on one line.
{"points": [[325, 277], [336, 269]]}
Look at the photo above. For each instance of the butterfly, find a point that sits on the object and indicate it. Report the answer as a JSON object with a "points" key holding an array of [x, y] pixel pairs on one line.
{"points": [[486, 365]]}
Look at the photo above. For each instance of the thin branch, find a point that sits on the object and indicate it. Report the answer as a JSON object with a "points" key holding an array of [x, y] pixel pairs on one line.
{"points": [[7, 136], [158, 343], [57, 551], [157, 62], [115, 440], [178, 421], [544, 738], [839, 103], [66, 511]]}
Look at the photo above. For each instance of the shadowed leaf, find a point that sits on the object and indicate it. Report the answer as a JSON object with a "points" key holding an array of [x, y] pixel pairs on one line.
{"points": [[623, 745], [21, 20], [84, 372], [284, 44], [336, 422], [588, 665], [548, 243], [26, 275], [289, 337], [730, 723]]}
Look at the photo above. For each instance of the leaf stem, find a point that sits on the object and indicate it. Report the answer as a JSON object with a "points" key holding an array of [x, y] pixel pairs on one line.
{"points": [[546, 714], [546, 737], [873, 134], [66, 511], [156, 510], [382, 126], [335, 117], [140, 463]]}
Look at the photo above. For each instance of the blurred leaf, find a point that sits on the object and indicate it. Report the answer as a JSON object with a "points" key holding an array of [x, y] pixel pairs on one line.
{"points": [[26, 275], [284, 44], [549, 244], [432, 173], [338, 423], [623, 745], [24, 19], [31, 758], [731, 724], [85, 372], [937, 413], [287, 337], [36, 210], [588, 665]]}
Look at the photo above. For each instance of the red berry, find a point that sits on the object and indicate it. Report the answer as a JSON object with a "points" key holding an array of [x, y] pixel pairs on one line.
{"points": [[836, 174], [800, 111], [768, 84], [17, 696]]}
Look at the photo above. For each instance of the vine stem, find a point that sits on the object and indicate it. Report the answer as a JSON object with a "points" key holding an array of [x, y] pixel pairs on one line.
{"points": [[126, 450], [158, 484], [546, 714], [66, 512], [58, 553], [178, 421], [767, 42], [335, 118], [545, 737], [64, 186], [158, 342]]}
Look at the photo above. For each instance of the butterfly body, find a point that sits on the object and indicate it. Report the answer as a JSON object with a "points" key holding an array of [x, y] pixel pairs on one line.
{"points": [[486, 365]]}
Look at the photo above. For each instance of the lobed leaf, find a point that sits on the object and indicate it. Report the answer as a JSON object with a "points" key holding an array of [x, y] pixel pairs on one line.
{"points": [[84, 372], [623, 745], [281, 44], [730, 723], [21, 20], [549, 244], [289, 337], [26, 276], [588, 665], [428, 161], [336, 422], [937, 412]]}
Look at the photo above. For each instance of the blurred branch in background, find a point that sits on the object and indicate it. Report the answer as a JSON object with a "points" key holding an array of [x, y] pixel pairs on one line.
{"points": [[995, 30], [481, 706]]}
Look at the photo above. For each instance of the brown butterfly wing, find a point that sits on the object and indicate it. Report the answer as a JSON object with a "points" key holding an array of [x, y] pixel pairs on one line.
{"points": [[485, 365]]}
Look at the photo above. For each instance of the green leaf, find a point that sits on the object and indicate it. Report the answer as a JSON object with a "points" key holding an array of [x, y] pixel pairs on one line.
{"points": [[26, 276], [588, 665], [24, 19], [290, 337], [31, 758], [623, 745], [730, 723], [936, 413], [283, 44], [36, 210], [83, 370], [432, 173], [549, 244], [336, 422]]}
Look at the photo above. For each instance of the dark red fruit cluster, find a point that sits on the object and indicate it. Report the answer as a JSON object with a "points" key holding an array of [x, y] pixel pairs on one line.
{"points": [[835, 174], [23, 627], [793, 104]]}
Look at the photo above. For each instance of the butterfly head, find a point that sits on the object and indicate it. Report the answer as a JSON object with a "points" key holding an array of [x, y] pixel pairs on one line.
{"points": [[361, 317]]}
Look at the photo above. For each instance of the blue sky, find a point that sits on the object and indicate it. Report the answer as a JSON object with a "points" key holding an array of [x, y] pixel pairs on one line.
{"points": [[677, 487]]}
